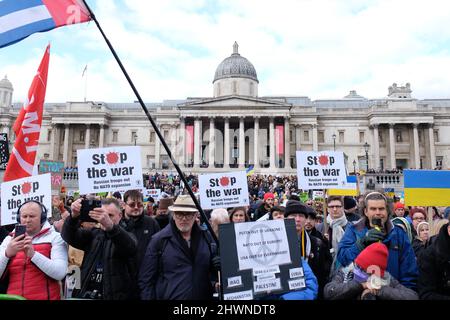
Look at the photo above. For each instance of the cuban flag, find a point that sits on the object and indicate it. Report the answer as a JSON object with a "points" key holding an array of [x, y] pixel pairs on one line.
{"points": [[21, 18]]}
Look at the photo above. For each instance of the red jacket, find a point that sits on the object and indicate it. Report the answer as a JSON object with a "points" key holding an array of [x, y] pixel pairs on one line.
{"points": [[27, 280]]}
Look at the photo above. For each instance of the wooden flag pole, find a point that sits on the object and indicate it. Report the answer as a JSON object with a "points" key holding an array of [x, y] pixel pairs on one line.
{"points": [[325, 222]]}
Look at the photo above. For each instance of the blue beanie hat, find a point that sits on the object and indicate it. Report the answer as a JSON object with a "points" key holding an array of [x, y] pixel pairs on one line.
{"points": [[447, 213]]}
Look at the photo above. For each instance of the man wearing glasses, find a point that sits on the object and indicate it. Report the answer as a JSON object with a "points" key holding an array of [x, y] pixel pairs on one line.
{"points": [[180, 260], [143, 227]]}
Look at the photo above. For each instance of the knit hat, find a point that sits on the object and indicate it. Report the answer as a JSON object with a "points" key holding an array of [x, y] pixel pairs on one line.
{"points": [[273, 209], [373, 258], [295, 207], [311, 212], [269, 195], [349, 203], [165, 203], [398, 205], [423, 223]]}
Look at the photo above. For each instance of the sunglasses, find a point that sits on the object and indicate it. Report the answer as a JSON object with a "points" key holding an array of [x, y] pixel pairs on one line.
{"points": [[134, 205]]}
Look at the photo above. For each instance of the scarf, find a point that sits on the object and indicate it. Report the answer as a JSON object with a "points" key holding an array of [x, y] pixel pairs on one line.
{"points": [[337, 226]]}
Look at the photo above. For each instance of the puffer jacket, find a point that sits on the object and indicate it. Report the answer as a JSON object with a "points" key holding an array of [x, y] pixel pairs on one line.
{"points": [[401, 261], [117, 256], [36, 278]]}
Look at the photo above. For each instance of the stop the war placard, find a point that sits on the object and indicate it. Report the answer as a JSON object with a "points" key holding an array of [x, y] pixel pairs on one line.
{"points": [[223, 190], [321, 170], [16, 192], [109, 169]]}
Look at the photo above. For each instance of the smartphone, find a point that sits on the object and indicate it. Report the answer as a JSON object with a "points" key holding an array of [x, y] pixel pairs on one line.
{"points": [[86, 206], [378, 224], [20, 230]]}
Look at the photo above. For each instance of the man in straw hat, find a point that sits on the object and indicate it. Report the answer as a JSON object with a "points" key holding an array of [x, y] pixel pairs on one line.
{"points": [[180, 260]]}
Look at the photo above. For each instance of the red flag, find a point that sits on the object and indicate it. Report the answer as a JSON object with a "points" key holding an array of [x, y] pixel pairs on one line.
{"points": [[189, 140], [279, 139], [28, 126]]}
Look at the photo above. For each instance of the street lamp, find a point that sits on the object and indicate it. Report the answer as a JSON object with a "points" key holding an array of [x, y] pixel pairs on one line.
{"points": [[354, 167], [334, 141], [366, 149]]}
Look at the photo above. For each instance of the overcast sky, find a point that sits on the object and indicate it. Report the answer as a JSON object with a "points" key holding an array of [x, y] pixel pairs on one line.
{"points": [[171, 49]]}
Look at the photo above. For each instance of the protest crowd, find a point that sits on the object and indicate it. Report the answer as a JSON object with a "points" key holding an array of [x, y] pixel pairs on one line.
{"points": [[131, 246]]}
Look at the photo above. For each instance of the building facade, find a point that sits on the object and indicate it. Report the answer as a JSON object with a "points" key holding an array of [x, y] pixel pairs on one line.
{"points": [[236, 128]]}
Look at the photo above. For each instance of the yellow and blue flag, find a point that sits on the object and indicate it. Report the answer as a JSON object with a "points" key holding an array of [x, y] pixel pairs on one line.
{"points": [[250, 170], [351, 188], [427, 187]]}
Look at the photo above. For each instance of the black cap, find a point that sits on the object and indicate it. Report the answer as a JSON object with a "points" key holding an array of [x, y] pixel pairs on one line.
{"points": [[273, 209], [349, 203], [295, 207], [311, 212]]}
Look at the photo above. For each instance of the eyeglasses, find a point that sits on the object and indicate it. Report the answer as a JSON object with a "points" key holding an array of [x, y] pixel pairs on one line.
{"points": [[134, 204], [181, 215], [334, 207], [419, 218]]}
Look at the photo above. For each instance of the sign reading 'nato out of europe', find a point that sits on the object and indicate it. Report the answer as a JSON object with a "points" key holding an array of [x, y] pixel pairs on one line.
{"points": [[321, 170], [109, 169]]}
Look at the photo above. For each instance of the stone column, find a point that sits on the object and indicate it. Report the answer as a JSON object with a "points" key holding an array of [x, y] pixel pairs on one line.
{"points": [[101, 138], [256, 143], [197, 143], [66, 144], [53, 142], [392, 146], [226, 148], [87, 136], [432, 148], [6, 130], [376, 147], [314, 136], [272, 143], [416, 146], [287, 144], [298, 136], [157, 149], [241, 143], [182, 142], [212, 143], [173, 142]]}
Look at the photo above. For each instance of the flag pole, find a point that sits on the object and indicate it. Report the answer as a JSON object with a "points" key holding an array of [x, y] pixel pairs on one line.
{"points": [[85, 74], [155, 127]]}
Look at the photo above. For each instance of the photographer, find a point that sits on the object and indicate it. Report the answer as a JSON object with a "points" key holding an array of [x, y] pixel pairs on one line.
{"points": [[376, 227], [106, 271]]}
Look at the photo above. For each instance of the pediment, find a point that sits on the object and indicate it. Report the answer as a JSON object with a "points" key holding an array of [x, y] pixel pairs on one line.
{"points": [[234, 102]]}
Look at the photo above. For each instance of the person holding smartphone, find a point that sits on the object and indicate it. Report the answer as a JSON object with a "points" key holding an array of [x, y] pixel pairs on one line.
{"points": [[34, 257], [107, 271]]}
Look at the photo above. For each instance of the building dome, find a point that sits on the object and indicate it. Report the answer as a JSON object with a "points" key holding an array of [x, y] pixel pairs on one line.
{"points": [[235, 66], [5, 83]]}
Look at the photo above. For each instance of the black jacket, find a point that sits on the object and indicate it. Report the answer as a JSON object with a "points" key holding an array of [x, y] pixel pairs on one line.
{"points": [[143, 228], [261, 211], [434, 268], [173, 271], [117, 256]]}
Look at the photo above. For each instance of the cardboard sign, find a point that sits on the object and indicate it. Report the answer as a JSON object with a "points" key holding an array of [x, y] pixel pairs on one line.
{"points": [[4, 151], [321, 170], [259, 258], [109, 169], [56, 168], [16, 192], [223, 190]]}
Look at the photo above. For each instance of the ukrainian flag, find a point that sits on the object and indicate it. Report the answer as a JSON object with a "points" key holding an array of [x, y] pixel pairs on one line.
{"points": [[250, 170], [351, 188], [427, 187]]}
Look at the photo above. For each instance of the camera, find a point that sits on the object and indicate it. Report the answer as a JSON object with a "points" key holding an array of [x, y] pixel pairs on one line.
{"points": [[86, 206], [19, 230]]}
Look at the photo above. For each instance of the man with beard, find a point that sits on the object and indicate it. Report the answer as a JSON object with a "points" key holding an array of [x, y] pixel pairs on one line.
{"points": [[180, 260]]}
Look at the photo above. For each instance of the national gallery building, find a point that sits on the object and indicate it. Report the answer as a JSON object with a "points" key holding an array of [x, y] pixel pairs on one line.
{"points": [[236, 128]]}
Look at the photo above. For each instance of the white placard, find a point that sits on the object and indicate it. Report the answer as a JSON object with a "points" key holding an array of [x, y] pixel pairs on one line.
{"points": [[297, 284], [154, 193], [16, 192], [267, 285], [321, 170], [223, 190], [109, 169], [267, 276], [261, 271], [242, 295], [262, 244], [296, 272], [234, 281]]}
